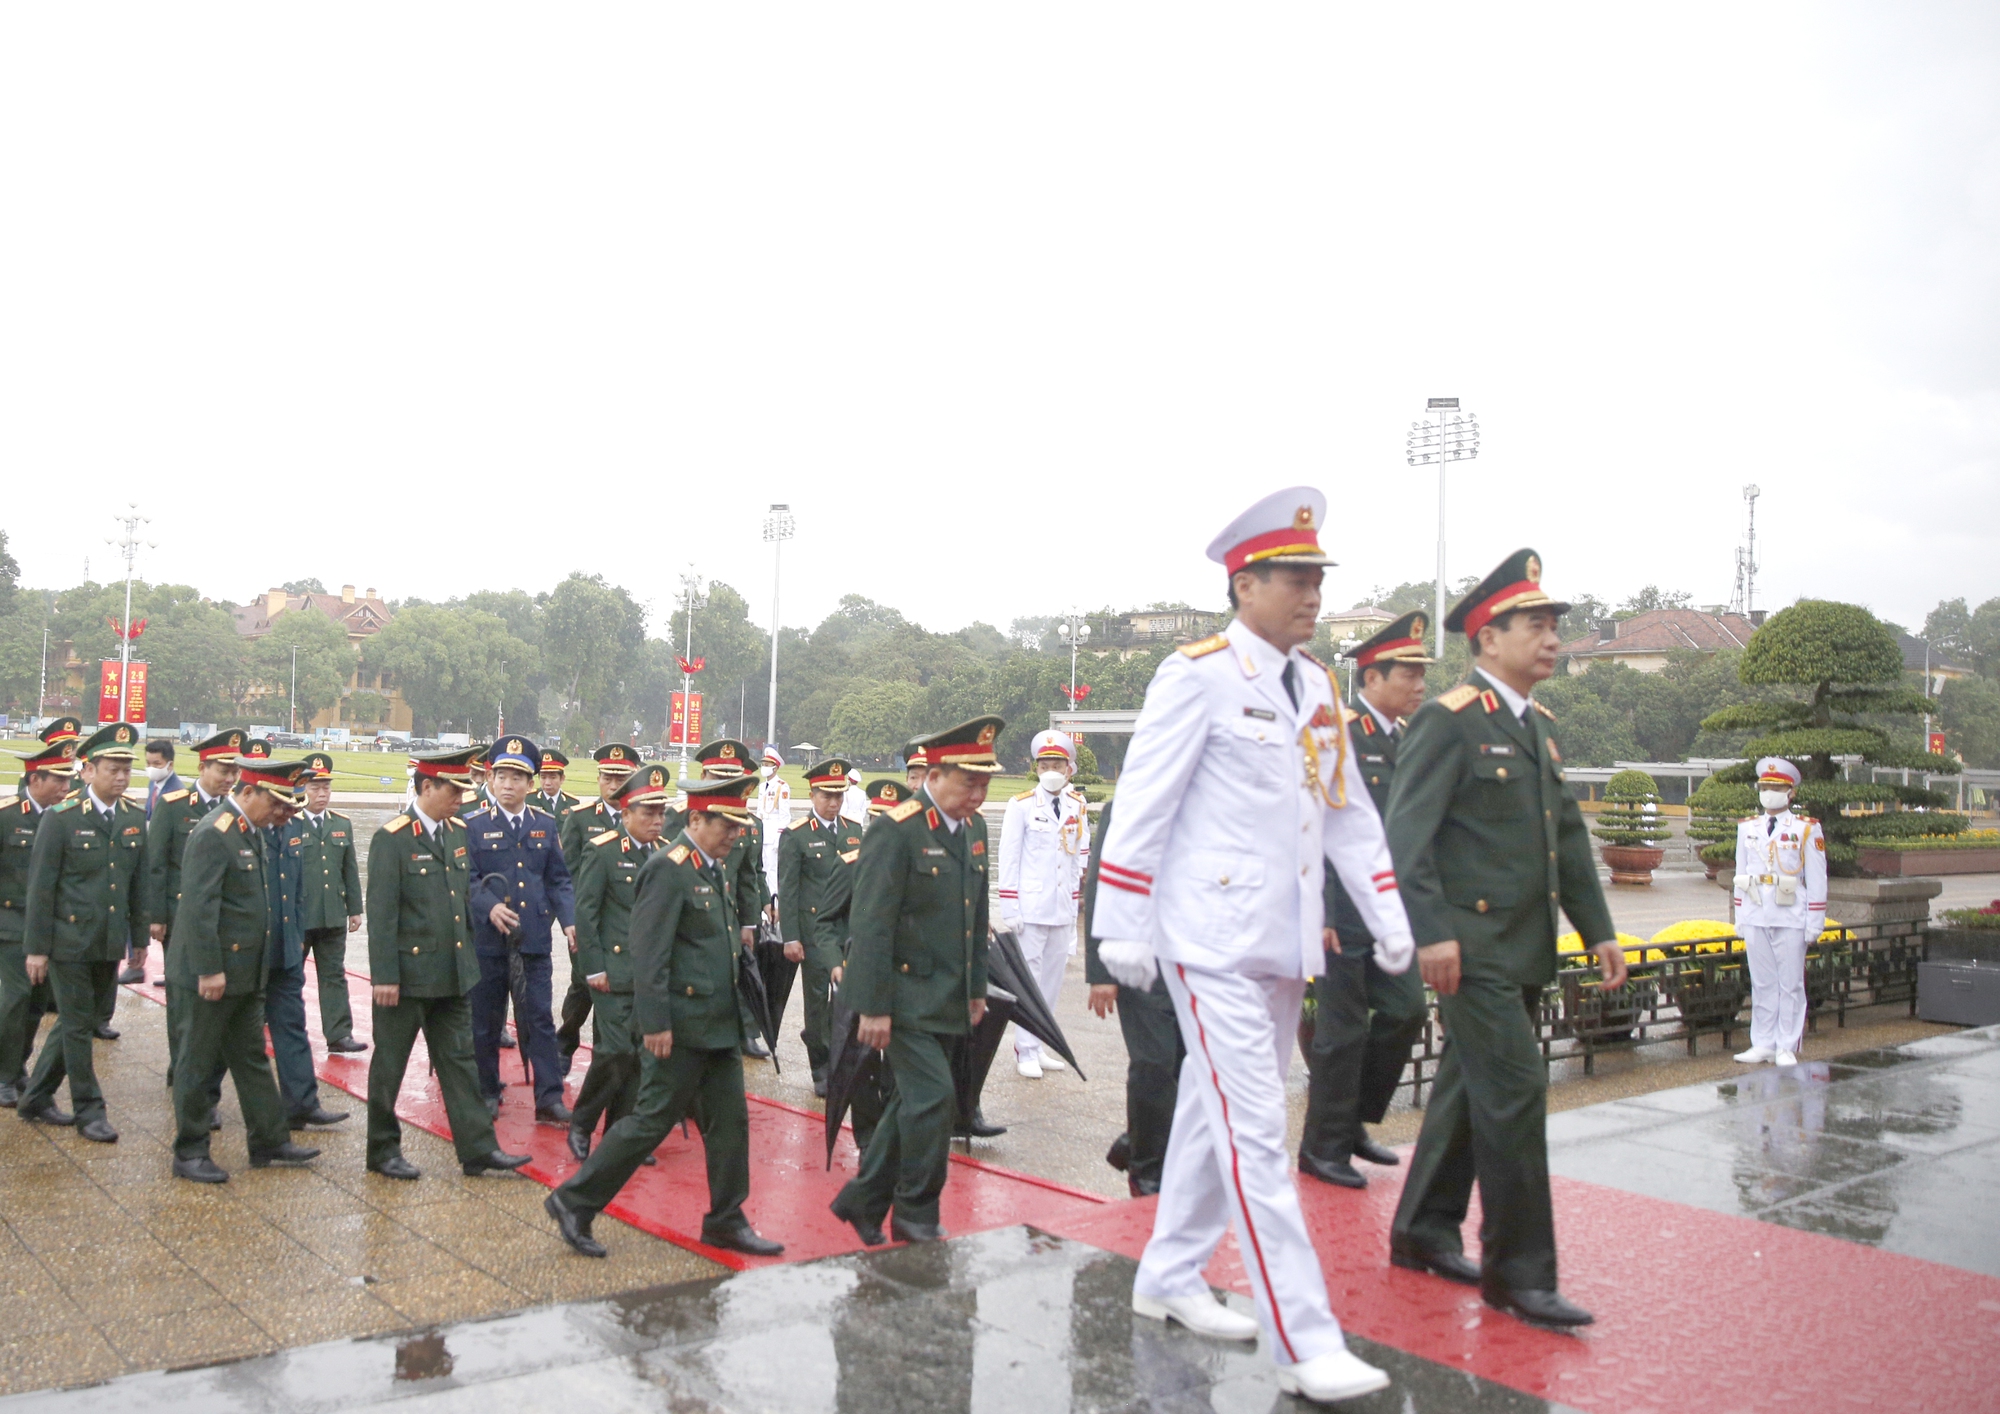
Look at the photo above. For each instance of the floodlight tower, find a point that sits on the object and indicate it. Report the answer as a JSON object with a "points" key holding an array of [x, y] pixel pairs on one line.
{"points": [[1454, 437], [778, 528], [1073, 631]]}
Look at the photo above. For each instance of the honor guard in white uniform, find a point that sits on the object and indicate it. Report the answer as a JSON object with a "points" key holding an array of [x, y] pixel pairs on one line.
{"points": [[1238, 789], [1044, 850], [774, 809], [1780, 894]]}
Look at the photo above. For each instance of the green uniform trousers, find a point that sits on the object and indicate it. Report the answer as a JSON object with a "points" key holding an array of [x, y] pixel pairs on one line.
{"points": [[1486, 1121], [818, 1033], [709, 1082], [1366, 1022], [328, 947], [226, 1034], [21, 1007], [181, 1004], [610, 1087], [78, 988], [905, 1162], [446, 1024]]}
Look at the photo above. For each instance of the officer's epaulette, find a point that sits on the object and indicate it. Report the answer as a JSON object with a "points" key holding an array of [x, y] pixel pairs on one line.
{"points": [[1028, 794], [458, 821], [1202, 647], [679, 854], [581, 805], [336, 815], [1310, 659], [67, 803], [1367, 719], [607, 836], [25, 805], [908, 808], [1459, 698], [401, 822], [225, 819], [800, 823], [172, 795], [1748, 819], [1540, 708]]}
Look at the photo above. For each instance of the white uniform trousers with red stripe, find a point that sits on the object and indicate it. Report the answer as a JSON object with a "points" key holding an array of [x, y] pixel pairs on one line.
{"points": [[1777, 985], [1228, 1162], [1046, 948]]}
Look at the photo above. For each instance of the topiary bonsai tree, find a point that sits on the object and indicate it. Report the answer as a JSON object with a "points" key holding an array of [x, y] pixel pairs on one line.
{"points": [[1625, 818], [1844, 672], [1713, 811]]}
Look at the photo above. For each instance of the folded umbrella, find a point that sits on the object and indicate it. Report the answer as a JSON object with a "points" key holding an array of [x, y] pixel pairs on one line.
{"points": [[972, 1056], [775, 972], [750, 987], [1007, 969], [849, 1067]]}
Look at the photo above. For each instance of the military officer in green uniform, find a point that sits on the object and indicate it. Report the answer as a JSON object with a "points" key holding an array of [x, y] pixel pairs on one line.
{"points": [[552, 797], [421, 964], [330, 904], [1488, 847], [724, 760], [580, 822], [685, 956], [816, 861], [45, 777], [83, 910], [175, 815], [229, 921], [916, 975], [606, 882], [1365, 1019]]}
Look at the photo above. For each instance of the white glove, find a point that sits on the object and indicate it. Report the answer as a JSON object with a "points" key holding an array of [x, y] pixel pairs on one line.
{"points": [[1394, 953], [1010, 925], [1130, 962]]}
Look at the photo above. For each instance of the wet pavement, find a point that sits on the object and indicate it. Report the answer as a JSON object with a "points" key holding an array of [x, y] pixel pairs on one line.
{"points": [[1005, 1321], [1897, 1147]]}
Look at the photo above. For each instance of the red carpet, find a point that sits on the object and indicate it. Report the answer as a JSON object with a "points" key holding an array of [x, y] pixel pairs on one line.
{"points": [[1696, 1311]]}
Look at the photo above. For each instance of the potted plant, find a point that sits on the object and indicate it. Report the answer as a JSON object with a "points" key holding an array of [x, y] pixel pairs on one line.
{"points": [[1713, 812], [1631, 826], [1966, 934]]}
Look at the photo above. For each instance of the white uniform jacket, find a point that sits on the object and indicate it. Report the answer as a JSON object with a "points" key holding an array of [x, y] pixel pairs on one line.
{"points": [[1780, 872], [1230, 804], [1044, 849]]}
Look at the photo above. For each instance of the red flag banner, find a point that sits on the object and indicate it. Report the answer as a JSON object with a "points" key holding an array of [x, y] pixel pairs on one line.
{"points": [[1937, 743], [135, 688], [684, 719], [1081, 691], [691, 666], [107, 691]]}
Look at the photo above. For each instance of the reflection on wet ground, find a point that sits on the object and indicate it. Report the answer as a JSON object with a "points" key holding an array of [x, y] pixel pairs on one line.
{"points": [[1898, 1148], [1006, 1321]]}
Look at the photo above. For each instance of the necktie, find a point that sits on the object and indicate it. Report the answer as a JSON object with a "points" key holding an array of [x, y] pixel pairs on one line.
{"points": [[1770, 824], [1290, 678]]}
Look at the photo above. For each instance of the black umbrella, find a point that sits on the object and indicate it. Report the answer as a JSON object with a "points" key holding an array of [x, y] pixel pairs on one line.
{"points": [[750, 987], [850, 1068], [972, 1056], [776, 974], [1008, 970], [517, 973]]}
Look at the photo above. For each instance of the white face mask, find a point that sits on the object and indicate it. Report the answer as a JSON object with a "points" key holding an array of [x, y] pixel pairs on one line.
{"points": [[156, 774], [770, 771], [1053, 781], [1774, 799]]}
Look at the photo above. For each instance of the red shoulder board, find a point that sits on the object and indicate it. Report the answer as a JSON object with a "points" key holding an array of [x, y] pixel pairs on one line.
{"points": [[931, 818], [1490, 700]]}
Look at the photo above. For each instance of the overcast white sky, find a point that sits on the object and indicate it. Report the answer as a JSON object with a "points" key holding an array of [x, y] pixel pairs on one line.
{"points": [[1014, 305]]}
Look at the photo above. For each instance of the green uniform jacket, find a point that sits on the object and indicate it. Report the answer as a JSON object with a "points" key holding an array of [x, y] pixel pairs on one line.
{"points": [[18, 820], [816, 882], [224, 921], [584, 819], [1487, 843], [175, 815], [329, 870], [1375, 753], [918, 923], [607, 886], [84, 883], [558, 805], [419, 909], [743, 867], [685, 951]]}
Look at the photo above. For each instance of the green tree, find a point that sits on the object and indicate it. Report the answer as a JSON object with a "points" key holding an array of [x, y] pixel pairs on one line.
{"points": [[196, 663], [875, 721], [1969, 713], [1654, 597], [592, 634], [453, 665], [304, 586], [324, 659], [1837, 675], [10, 573]]}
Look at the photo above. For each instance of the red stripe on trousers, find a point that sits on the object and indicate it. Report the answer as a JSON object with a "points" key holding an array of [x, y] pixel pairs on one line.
{"points": [[1235, 1167]]}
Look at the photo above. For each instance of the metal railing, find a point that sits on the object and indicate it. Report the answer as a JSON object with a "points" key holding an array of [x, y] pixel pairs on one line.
{"points": [[1681, 991]]}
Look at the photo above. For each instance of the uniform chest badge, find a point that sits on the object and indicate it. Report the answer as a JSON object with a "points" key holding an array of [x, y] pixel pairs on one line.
{"points": [[537, 834], [134, 829], [979, 846], [338, 835], [1323, 716], [458, 853]]}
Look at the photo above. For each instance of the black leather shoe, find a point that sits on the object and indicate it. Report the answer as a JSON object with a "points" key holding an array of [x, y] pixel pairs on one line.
{"points": [[396, 1166], [506, 1042], [496, 1162], [870, 1233], [201, 1170], [1142, 1187], [1366, 1148], [649, 1162], [1119, 1155], [214, 1119], [819, 1086], [285, 1153], [979, 1128], [1452, 1266], [98, 1131], [346, 1046], [1542, 1308], [574, 1226], [558, 1113], [1341, 1175], [46, 1113], [915, 1232], [741, 1238], [319, 1117], [130, 975], [105, 1032], [492, 1103], [579, 1143], [755, 1048]]}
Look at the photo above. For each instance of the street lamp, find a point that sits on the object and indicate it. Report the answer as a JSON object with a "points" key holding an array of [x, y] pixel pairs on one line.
{"points": [[130, 547], [778, 528], [1075, 632], [690, 587], [1346, 647], [1454, 437], [293, 727]]}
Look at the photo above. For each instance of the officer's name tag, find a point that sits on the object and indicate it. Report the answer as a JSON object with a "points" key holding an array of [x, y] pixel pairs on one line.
{"points": [[494, 835], [1487, 748], [931, 850], [703, 889], [1376, 759], [1262, 714]]}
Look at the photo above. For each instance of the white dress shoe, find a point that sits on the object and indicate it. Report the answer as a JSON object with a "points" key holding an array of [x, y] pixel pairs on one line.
{"points": [[1203, 1315], [1756, 1055], [1028, 1068], [1787, 1058], [1327, 1378], [1051, 1063]]}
